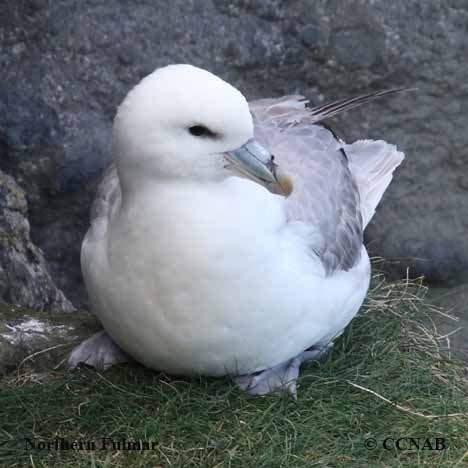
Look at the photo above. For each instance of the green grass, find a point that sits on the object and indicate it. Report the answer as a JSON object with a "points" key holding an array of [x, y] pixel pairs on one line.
{"points": [[392, 348]]}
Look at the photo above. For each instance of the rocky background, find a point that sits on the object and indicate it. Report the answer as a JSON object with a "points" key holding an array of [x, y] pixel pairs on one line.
{"points": [[66, 65]]}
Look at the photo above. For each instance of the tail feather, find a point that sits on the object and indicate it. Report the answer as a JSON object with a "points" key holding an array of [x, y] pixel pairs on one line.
{"points": [[372, 164]]}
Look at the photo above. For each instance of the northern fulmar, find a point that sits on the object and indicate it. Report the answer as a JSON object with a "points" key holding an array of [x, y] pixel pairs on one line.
{"points": [[226, 237]]}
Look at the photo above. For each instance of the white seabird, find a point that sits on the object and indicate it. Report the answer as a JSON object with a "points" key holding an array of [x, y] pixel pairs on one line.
{"points": [[207, 254]]}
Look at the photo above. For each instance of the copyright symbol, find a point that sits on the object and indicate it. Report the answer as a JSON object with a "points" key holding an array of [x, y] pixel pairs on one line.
{"points": [[370, 444]]}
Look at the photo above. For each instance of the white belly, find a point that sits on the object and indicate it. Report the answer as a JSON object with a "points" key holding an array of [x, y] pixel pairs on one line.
{"points": [[223, 290]]}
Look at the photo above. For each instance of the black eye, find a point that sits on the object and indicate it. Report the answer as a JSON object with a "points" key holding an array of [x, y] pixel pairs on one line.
{"points": [[201, 131]]}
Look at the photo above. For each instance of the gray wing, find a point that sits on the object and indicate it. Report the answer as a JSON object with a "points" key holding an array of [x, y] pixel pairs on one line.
{"points": [[108, 195], [105, 205], [334, 188]]}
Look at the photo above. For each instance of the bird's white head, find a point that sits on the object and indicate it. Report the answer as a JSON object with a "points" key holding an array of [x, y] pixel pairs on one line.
{"points": [[184, 122]]}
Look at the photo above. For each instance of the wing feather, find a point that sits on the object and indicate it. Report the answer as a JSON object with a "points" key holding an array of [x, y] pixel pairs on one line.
{"points": [[337, 187]]}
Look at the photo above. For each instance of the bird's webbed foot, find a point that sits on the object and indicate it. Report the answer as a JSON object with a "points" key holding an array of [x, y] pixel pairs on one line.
{"points": [[100, 351], [281, 377]]}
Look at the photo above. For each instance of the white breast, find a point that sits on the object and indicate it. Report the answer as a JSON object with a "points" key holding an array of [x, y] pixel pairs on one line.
{"points": [[210, 279]]}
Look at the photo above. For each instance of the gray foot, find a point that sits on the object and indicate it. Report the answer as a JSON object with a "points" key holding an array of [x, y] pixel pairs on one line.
{"points": [[99, 351], [281, 377]]}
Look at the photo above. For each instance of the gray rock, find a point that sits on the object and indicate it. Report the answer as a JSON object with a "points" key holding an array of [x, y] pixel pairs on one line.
{"points": [[67, 64], [24, 278]]}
